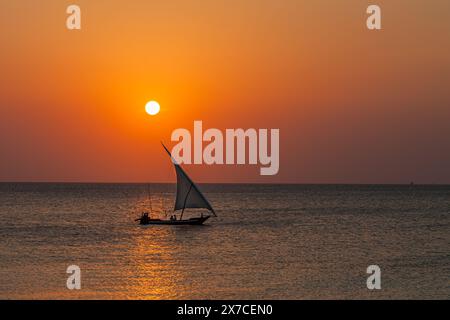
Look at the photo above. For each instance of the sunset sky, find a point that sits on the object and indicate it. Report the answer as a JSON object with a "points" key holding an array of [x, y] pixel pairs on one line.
{"points": [[352, 105]]}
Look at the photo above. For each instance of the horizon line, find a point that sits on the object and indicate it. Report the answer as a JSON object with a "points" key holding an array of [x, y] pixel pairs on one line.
{"points": [[234, 183]]}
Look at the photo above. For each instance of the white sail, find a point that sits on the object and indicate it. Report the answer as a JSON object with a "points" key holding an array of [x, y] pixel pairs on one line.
{"points": [[188, 194]]}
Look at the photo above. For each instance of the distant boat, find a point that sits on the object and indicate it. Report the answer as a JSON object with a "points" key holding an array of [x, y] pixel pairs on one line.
{"points": [[188, 196]]}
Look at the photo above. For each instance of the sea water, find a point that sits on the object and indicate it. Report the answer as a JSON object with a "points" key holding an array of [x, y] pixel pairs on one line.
{"points": [[268, 242]]}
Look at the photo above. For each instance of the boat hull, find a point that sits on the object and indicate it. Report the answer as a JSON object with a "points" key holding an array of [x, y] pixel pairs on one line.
{"points": [[191, 222]]}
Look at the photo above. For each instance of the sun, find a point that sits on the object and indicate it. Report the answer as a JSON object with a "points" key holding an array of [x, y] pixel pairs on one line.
{"points": [[152, 108]]}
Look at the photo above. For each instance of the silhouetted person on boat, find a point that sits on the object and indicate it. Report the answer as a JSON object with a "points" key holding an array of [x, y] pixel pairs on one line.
{"points": [[145, 219]]}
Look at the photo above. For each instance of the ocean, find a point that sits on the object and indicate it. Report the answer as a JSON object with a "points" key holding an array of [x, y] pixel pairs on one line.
{"points": [[268, 242]]}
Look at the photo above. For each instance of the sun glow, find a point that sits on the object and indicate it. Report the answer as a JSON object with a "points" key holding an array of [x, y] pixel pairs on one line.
{"points": [[152, 108]]}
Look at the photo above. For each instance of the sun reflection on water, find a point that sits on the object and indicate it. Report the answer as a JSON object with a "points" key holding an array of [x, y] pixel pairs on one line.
{"points": [[155, 273]]}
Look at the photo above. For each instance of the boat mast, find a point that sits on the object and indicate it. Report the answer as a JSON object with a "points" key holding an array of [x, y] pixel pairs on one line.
{"points": [[162, 205], [149, 197], [185, 199]]}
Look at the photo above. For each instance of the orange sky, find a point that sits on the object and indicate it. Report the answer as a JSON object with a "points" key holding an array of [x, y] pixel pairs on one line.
{"points": [[352, 105]]}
